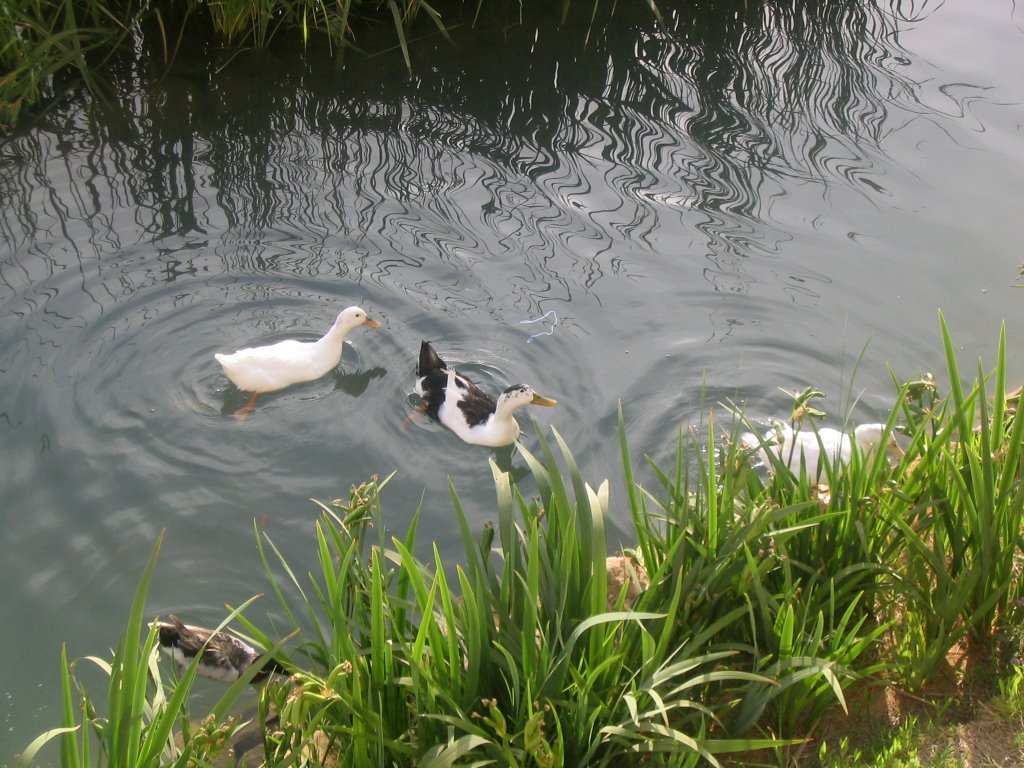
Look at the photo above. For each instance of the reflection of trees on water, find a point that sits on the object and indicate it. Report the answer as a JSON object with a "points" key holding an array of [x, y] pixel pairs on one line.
{"points": [[547, 165]]}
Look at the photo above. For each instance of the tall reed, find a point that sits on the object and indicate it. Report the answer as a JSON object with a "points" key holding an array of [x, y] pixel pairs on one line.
{"points": [[523, 661]]}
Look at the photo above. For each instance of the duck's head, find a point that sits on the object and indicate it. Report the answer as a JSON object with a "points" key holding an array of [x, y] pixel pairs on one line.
{"points": [[520, 395], [353, 317]]}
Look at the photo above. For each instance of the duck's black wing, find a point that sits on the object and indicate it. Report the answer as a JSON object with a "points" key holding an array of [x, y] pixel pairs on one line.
{"points": [[188, 640], [476, 405]]}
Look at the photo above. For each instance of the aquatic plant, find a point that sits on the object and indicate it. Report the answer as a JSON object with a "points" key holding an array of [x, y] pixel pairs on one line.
{"points": [[959, 509], [523, 661]]}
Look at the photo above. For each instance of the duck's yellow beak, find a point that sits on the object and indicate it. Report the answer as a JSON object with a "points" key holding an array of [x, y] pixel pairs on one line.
{"points": [[540, 400], [371, 323]]}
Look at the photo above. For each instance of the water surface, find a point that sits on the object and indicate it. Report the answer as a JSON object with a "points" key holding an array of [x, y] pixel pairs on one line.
{"points": [[711, 210]]}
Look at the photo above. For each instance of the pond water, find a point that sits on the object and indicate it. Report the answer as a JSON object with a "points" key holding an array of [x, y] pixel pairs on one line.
{"points": [[716, 209]]}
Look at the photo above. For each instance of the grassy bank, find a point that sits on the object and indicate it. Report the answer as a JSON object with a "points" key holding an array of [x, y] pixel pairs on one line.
{"points": [[756, 620]]}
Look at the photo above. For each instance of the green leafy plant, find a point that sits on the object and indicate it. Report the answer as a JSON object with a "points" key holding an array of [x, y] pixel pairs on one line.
{"points": [[959, 509], [38, 39]]}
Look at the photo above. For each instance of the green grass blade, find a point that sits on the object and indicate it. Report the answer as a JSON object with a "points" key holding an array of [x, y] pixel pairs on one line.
{"points": [[26, 757], [400, 31], [68, 744]]}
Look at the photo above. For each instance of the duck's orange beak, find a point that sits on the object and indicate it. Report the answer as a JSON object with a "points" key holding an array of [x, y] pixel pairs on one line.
{"points": [[540, 400], [371, 323]]}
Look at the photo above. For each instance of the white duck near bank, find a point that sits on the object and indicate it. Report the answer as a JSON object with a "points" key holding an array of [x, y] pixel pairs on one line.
{"points": [[814, 449], [276, 366], [468, 411]]}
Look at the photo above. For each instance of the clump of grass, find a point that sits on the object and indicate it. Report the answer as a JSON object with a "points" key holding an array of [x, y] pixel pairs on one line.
{"points": [[959, 510], [522, 662], [38, 39]]}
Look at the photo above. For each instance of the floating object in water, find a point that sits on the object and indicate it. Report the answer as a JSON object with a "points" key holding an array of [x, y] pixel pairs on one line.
{"points": [[276, 366], [549, 332], [468, 411]]}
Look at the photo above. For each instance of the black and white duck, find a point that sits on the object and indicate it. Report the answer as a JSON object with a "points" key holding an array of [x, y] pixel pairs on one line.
{"points": [[468, 411], [224, 657]]}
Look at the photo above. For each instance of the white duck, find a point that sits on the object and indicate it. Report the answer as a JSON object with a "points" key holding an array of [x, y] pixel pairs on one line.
{"points": [[810, 448], [223, 657], [276, 366], [467, 410]]}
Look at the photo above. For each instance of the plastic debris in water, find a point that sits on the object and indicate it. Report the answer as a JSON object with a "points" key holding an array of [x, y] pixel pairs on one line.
{"points": [[549, 332]]}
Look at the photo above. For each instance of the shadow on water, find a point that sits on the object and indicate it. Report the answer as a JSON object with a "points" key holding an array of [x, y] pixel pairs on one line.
{"points": [[356, 383]]}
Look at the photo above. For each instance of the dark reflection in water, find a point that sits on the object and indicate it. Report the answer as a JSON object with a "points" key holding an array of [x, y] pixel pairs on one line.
{"points": [[356, 383], [710, 118]]}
